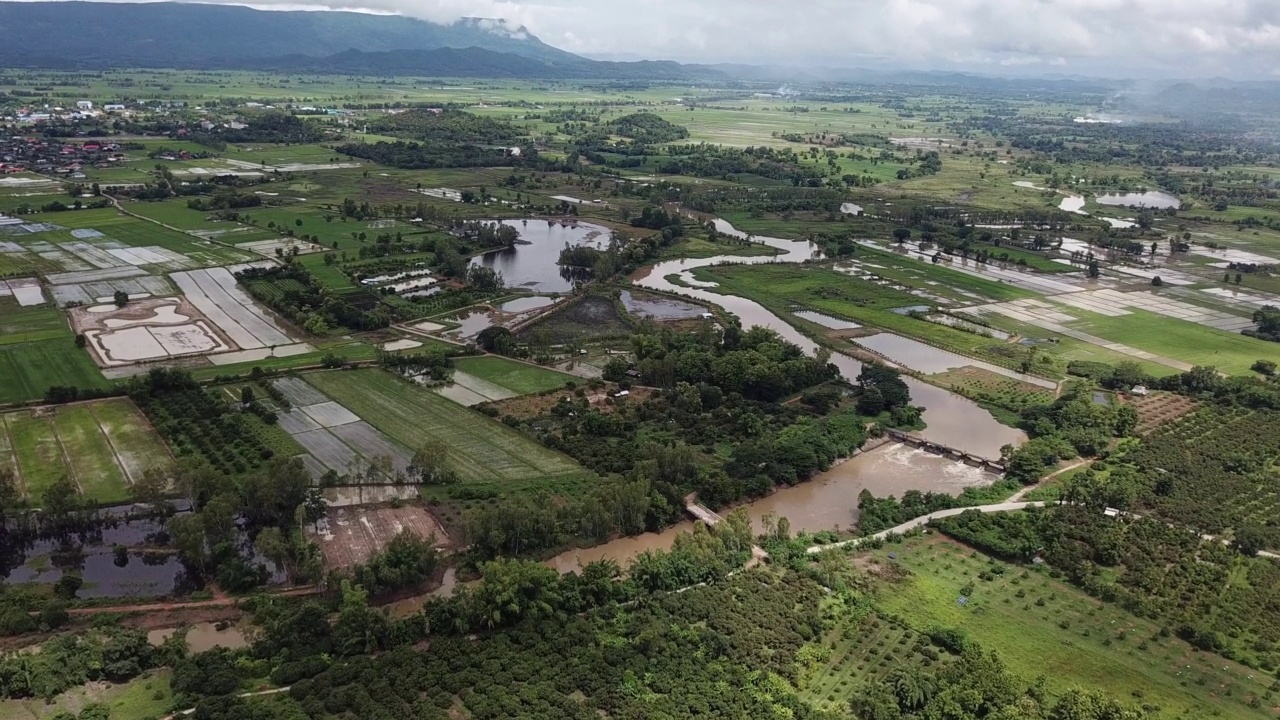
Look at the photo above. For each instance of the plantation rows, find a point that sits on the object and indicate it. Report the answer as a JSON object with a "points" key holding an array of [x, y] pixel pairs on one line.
{"points": [[1213, 471], [858, 652], [196, 423]]}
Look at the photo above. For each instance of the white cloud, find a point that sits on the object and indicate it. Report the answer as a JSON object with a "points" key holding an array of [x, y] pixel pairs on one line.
{"points": [[1116, 37]]}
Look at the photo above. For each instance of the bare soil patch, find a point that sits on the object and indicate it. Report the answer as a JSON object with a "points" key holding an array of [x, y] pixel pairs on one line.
{"points": [[351, 535]]}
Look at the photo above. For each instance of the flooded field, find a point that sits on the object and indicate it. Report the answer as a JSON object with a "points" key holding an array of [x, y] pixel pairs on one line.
{"points": [[928, 359], [826, 321], [532, 263], [955, 322], [659, 307], [144, 573]]}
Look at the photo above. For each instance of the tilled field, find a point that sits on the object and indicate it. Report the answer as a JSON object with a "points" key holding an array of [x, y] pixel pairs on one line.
{"points": [[351, 535]]}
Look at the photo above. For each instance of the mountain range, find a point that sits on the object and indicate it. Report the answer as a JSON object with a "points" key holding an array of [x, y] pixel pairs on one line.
{"points": [[85, 35]]}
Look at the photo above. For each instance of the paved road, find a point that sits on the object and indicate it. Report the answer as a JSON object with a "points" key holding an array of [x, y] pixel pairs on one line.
{"points": [[924, 520]]}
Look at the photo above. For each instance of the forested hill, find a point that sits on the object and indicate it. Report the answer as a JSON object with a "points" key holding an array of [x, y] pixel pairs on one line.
{"points": [[86, 34], [477, 62]]}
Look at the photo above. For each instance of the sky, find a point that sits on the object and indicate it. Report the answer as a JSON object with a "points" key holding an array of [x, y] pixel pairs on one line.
{"points": [[1117, 38]]}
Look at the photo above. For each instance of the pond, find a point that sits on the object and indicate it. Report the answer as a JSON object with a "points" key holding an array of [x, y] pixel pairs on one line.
{"points": [[952, 420], [825, 502], [532, 264], [659, 307], [470, 323], [1073, 204], [826, 321], [1150, 199], [203, 636]]}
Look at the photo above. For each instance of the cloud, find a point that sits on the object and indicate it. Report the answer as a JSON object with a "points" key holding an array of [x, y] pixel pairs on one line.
{"points": [[1114, 37]]}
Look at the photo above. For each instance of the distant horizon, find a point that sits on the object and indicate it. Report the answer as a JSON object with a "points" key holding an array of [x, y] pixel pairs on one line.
{"points": [[1236, 39]]}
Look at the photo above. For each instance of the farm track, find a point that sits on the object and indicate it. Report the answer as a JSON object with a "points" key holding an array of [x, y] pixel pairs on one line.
{"points": [[115, 452]]}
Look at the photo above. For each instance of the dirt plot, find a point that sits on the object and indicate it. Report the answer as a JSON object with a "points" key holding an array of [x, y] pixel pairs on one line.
{"points": [[351, 535], [1158, 408]]}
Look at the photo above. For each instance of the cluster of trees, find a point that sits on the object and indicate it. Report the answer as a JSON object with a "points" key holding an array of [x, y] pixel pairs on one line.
{"points": [[726, 163], [426, 156], [110, 654], [447, 126], [266, 127], [225, 198], [1073, 425], [1268, 320], [291, 290], [647, 129], [719, 388], [977, 685], [407, 562], [196, 424], [706, 652]]}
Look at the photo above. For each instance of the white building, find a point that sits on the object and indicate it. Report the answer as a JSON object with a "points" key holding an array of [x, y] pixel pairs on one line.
{"points": [[84, 104]]}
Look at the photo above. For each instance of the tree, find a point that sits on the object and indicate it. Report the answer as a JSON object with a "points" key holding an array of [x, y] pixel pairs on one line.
{"points": [[1264, 367], [1157, 282], [246, 395], [1094, 272], [121, 298], [271, 545], [429, 463], [152, 487], [188, 537], [901, 235], [1249, 539], [61, 498]]}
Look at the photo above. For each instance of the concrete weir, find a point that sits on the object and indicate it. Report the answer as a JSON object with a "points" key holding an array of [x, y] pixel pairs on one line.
{"points": [[970, 459]]}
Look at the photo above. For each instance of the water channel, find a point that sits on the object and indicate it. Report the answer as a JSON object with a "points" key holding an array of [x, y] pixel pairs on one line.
{"points": [[952, 420], [827, 501]]}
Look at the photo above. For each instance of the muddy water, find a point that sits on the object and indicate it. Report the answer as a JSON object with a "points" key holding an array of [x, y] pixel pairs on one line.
{"points": [[409, 606], [952, 420], [825, 502], [204, 636]]}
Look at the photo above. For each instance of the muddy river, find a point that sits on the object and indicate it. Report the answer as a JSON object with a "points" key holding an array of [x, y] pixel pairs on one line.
{"points": [[952, 420], [826, 502]]}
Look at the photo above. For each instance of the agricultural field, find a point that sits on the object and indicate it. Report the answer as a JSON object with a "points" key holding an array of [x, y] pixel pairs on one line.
{"points": [[857, 651], [518, 378], [37, 350], [481, 450], [332, 438], [1042, 627], [103, 446], [349, 536]]}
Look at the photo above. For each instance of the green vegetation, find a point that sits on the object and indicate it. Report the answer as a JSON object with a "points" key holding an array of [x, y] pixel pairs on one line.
{"points": [[519, 378], [480, 450], [1045, 628]]}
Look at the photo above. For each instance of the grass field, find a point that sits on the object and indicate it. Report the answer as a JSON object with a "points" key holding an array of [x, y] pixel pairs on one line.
{"points": [[27, 369], [103, 446], [1043, 627], [515, 376], [480, 449], [30, 324], [1231, 353]]}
